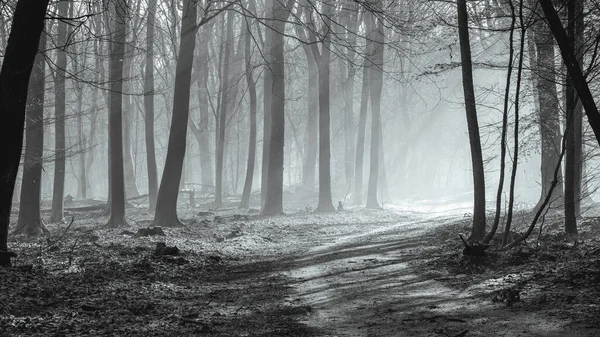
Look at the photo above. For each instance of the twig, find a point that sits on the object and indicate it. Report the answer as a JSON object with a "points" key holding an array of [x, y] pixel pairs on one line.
{"points": [[63, 234]]}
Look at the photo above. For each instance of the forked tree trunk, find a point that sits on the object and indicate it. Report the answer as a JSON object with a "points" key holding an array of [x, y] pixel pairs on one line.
{"points": [[21, 49], [59, 115], [323, 59], [166, 203], [478, 228], [29, 221], [115, 120]]}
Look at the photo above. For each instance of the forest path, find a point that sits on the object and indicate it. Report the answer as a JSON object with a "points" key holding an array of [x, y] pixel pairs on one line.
{"points": [[372, 284]]}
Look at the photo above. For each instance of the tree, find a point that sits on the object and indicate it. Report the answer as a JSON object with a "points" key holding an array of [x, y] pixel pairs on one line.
{"points": [[478, 228], [312, 104], [376, 84], [115, 121], [323, 58], [166, 202], [21, 49], [574, 146], [274, 193], [267, 95], [30, 221], [573, 67], [149, 107], [245, 202], [59, 114], [549, 111], [223, 107], [362, 118]]}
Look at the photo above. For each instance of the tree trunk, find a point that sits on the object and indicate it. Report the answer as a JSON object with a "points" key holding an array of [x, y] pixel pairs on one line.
{"points": [[549, 113], [376, 85], [362, 119], [323, 59], [115, 121], [59, 115], [350, 21], [245, 202], [30, 221], [574, 68], [21, 49], [274, 193], [224, 106], [267, 97], [478, 229], [166, 203], [149, 107], [574, 147]]}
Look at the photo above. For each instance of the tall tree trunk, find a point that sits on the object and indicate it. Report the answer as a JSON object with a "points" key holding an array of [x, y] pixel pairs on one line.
{"points": [[362, 119], [21, 49], [274, 193], [323, 59], [166, 203], [376, 84], [478, 229], [149, 107], [245, 202], [59, 115], [350, 21], [267, 97], [226, 95], [128, 164], [115, 121], [30, 221], [574, 158], [549, 113]]}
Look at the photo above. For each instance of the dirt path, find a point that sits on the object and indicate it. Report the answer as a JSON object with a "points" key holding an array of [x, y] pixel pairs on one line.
{"points": [[371, 284]]}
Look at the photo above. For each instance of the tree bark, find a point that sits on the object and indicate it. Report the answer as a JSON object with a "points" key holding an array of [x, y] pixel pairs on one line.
{"points": [[574, 147], [323, 59], [245, 202], [274, 194], [549, 113], [149, 107], [21, 49], [59, 115], [115, 121], [224, 107], [376, 85], [166, 203], [30, 221], [362, 119], [267, 95], [478, 228]]}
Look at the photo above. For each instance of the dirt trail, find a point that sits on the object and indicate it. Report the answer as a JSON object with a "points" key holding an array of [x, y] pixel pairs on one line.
{"points": [[367, 284]]}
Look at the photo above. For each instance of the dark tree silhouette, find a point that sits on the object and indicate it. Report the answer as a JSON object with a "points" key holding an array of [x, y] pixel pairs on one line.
{"points": [[478, 229], [21, 49], [149, 107]]}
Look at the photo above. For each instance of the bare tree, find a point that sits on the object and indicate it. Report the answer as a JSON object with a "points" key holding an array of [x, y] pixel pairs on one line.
{"points": [[478, 229], [21, 49]]}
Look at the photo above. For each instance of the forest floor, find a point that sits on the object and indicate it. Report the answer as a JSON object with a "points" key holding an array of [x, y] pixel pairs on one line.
{"points": [[358, 272]]}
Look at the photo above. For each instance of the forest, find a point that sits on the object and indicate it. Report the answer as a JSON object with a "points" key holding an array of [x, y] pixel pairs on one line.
{"points": [[299, 168]]}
